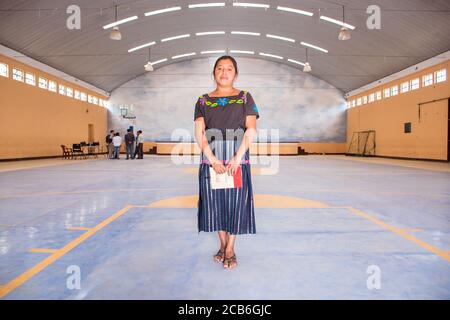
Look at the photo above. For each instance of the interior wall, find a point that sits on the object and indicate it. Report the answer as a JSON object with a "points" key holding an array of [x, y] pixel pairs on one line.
{"points": [[425, 108], [35, 122], [299, 106]]}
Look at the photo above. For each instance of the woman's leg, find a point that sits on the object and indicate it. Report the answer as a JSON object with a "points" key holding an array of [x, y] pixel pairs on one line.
{"points": [[223, 237], [229, 251]]}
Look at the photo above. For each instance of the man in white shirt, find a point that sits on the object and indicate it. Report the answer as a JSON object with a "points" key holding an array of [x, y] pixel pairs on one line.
{"points": [[140, 145], [117, 142]]}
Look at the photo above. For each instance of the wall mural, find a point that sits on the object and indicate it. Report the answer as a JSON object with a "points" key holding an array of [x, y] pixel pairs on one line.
{"points": [[161, 103]]}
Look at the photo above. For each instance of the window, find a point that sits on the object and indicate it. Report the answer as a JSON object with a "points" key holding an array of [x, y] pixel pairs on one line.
{"points": [[30, 79], [353, 103], [89, 98], [17, 74], [404, 87], [77, 95], [358, 101], [415, 84], [387, 93], [100, 103], [62, 89], [372, 97], [427, 80], [364, 99], [69, 92], [52, 86], [440, 76], [394, 90], [378, 95], [95, 100], [43, 83], [83, 96], [4, 70]]}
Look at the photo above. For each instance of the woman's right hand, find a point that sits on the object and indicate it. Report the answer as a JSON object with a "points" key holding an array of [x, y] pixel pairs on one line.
{"points": [[218, 166]]}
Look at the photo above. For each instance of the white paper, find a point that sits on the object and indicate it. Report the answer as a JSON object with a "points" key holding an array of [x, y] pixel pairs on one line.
{"points": [[221, 180]]}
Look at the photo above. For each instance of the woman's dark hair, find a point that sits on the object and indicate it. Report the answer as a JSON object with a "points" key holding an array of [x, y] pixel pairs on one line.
{"points": [[226, 58]]}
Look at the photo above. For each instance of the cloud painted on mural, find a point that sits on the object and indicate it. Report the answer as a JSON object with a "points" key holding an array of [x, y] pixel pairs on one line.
{"points": [[301, 106]]}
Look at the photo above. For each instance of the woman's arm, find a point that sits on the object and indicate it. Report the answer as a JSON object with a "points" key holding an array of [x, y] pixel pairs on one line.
{"points": [[247, 141], [202, 141]]}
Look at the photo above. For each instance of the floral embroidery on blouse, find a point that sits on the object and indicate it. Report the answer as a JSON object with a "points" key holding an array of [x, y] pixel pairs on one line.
{"points": [[223, 101]]}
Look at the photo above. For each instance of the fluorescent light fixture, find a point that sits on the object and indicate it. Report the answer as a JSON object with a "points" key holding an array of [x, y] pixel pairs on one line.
{"points": [[120, 22], [270, 55], [280, 38], [344, 34], [338, 22], [253, 5], [242, 51], [115, 34], [184, 55], [246, 33], [152, 13], [209, 33], [212, 51], [176, 37], [148, 67], [307, 67], [142, 46], [207, 5], [159, 61], [296, 62], [314, 47], [306, 13]]}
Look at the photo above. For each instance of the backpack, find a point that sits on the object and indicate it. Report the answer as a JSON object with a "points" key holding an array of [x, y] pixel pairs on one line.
{"points": [[108, 139]]}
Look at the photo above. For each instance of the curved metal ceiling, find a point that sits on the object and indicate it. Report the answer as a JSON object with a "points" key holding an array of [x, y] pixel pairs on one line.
{"points": [[411, 31]]}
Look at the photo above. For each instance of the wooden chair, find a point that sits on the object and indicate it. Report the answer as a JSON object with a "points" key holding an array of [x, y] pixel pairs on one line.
{"points": [[77, 151], [67, 152]]}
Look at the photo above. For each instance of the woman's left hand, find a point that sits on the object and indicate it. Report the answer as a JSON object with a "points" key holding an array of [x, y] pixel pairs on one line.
{"points": [[233, 164]]}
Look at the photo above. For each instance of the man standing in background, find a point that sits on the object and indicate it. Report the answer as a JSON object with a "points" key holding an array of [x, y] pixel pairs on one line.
{"points": [[109, 144], [140, 145], [129, 144]]}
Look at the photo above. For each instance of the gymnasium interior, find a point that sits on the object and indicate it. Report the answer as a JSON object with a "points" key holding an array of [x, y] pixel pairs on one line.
{"points": [[350, 166]]}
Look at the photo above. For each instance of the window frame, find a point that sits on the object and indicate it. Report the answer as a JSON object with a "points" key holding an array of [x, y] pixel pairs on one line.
{"points": [[411, 84], [51, 82], [34, 78], [6, 69], [45, 81], [425, 79], [436, 76], [14, 76], [69, 89]]}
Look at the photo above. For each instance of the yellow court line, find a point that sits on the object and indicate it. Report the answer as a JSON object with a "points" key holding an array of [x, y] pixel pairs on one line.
{"points": [[79, 228], [42, 250], [27, 275], [402, 233]]}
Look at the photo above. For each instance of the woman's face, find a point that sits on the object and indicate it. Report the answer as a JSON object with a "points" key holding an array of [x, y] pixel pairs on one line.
{"points": [[225, 73]]}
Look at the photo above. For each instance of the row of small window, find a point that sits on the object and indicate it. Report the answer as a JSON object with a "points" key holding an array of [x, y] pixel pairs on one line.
{"points": [[50, 85], [427, 80]]}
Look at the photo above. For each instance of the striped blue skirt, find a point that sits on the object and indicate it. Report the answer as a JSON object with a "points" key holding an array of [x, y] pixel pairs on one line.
{"points": [[231, 209]]}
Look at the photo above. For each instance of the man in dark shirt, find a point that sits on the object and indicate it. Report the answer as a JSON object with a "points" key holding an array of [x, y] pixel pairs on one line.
{"points": [[129, 143]]}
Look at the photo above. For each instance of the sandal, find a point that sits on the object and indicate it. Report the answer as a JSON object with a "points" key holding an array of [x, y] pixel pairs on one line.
{"points": [[227, 262], [219, 256]]}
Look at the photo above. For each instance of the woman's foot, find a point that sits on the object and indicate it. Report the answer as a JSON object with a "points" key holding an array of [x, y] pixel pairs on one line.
{"points": [[230, 261], [219, 256]]}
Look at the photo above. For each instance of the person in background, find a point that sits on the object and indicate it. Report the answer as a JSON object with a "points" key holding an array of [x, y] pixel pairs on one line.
{"points": [[140, 145], [109, 144], [117, 142], [129, 144]]}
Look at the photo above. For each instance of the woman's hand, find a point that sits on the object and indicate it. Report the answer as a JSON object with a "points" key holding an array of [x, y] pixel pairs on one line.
{"points": [[218, 166], [233, 164]]}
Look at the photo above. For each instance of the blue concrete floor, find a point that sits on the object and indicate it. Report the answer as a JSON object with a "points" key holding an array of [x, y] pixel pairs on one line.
{"points": [[156, 253]]}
